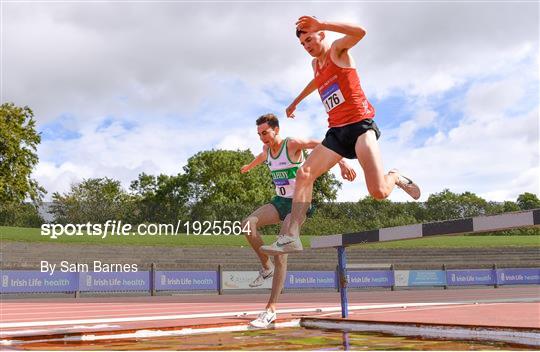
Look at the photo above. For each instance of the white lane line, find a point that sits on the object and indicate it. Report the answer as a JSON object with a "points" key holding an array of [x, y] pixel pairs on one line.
{"points": [[127, 306], [178, 306], [78, 305], [53, 311]]}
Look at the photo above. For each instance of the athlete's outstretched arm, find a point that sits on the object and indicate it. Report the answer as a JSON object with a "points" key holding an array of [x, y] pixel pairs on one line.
{"points": [[296, 144], [304, 93], [353, 33], [259, 159]]}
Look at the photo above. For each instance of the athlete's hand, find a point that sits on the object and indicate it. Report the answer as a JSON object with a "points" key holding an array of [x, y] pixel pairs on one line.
{"points": [[244, 169], [309, 24], [347, 172], [290, 110]]}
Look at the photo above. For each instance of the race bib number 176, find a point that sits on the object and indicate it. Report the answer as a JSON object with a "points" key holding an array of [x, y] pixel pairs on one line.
{"points": [[332, 97]]}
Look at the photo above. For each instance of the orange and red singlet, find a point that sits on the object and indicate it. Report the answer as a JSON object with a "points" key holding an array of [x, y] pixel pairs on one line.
{"points": [[342, 95]]}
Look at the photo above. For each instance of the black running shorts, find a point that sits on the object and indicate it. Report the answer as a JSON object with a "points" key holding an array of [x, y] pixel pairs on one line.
{"points": [[343, 139]]}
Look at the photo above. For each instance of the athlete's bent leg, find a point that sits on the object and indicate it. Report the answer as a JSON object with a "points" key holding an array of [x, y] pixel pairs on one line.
{"points": [[368, 153], [280, 271], [318, 162], [264, 215], [278, 281]]}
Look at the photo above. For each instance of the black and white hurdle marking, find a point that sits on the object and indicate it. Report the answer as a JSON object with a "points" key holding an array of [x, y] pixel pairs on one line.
{"points": [[477, 224]]}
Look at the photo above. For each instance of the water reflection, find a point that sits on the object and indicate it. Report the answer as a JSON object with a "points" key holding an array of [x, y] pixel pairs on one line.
{"points": [[346, 345], [282, 339]]}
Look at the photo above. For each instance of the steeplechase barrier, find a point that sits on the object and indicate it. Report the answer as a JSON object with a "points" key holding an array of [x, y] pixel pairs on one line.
{"points": [[493, 223]]}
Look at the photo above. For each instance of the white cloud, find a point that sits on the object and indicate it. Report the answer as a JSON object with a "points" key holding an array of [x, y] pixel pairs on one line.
{"points": [[163, 57], [119, 152], [407, 129], [241, 139], [193, 76], [490, 152], [60, 178]]}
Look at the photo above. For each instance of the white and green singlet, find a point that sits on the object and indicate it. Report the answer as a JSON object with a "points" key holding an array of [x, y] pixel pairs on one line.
{"points": [[283, 170]]}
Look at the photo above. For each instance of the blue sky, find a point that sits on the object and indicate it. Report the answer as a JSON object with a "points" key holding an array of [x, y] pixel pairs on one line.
{"points": [[123, 88]]}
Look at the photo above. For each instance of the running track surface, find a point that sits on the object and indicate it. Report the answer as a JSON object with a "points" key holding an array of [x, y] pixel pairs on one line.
{"points": [[516, 307]]}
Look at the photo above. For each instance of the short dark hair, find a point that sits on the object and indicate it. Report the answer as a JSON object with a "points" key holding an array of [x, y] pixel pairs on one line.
{"points": [[270, 119]]}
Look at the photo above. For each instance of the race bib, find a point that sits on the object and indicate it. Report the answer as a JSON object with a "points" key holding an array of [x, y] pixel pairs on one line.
{"points": [[281, 182], [332, 97]]}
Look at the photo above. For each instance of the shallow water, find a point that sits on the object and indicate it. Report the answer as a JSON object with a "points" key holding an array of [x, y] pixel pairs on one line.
{"points": [[282, 339]]}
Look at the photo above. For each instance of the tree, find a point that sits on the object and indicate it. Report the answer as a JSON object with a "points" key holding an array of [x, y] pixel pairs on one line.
{"points": [[325, 188], [526, 201], [448, 205], [94, 200], [499, 208], [161, 199], [509, 206], [217, 189], [18, 143], [143, 191], [20, 214]]}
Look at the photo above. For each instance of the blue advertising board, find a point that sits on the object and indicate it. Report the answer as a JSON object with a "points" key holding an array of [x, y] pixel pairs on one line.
{"points": [[470, 277], [520, 276], [22, 281], [186, 280], [426, 278], [35, 281], [370, 278], [114, 281], [310, 279]]}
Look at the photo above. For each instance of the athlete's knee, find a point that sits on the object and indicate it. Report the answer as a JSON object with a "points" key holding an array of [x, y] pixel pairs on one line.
{"points": [[250, 223], [280, 260], [378, 192], [305, 175]]}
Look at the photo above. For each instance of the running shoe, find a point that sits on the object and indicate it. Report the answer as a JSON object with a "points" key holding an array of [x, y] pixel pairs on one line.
{"points": [[284, 244], [263, 275], [407, 185], [264, 319]]}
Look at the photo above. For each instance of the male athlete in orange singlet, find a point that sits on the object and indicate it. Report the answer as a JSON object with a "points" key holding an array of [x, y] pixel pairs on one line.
{"points": [[352, 132]]}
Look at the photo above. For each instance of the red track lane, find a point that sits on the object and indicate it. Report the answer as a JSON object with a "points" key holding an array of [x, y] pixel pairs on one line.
{"points": [[509, 315], [506, 312]]}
